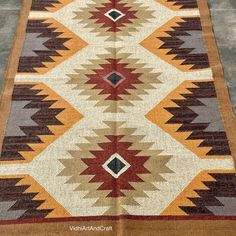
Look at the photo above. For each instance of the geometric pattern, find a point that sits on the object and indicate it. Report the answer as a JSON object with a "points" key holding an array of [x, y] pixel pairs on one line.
{"points": [[47, 44], [114, 80], [96, 166], [38, 116], [177, 5], [115, 114], [190, 114], [48, 5], [180, 43], [209, 193], [26, 200], [114, 18]]}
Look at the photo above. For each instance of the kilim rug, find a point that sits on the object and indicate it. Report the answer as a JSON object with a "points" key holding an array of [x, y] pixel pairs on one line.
{"points": [[116, 120]]}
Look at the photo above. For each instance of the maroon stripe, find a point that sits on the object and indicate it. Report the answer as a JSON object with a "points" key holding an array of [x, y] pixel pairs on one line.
{"points": [[116, 218]]}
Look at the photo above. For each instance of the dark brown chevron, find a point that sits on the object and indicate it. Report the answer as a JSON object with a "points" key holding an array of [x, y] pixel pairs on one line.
{"points": [[184, 4], [184, 114], [42, 5], [44, 117], [48, 5], [11, 191], [174, 44], [224, 187], [53, 43]]}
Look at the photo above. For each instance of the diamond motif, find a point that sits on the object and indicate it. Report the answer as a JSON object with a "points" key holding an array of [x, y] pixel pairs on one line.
{"points": [[114, 78], [116, 165], [123, 20], [114, 89], [114, 14], [113, 167]]}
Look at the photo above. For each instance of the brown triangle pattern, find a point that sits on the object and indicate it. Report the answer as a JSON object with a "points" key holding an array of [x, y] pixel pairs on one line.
{"points": [[21, 197], [177, 5], [48, 5], [50, 119], [180, 42], [50, 43], [209, 193], [176, 114]]}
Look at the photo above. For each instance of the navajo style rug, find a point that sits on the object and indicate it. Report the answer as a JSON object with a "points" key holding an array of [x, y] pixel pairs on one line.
{"points": [[115, 114]]}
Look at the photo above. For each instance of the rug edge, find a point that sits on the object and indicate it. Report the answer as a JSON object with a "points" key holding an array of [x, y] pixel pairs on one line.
{"points": [[128, 227]]}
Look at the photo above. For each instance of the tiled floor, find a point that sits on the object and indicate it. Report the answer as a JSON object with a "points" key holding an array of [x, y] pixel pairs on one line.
{"points": [[9, 13], [224, 21]]}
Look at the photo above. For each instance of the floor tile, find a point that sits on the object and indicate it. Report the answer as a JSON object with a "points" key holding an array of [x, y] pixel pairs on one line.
{"points": [[8, 21], [222, 4], [10, 4]]}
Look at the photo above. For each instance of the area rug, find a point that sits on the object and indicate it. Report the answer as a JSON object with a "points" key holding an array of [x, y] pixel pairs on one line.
{"points": [[116, 120]]}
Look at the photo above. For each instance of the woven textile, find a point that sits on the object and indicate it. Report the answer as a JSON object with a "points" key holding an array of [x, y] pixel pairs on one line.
{"points": [[117, 111]]}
